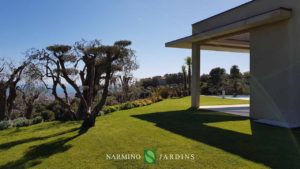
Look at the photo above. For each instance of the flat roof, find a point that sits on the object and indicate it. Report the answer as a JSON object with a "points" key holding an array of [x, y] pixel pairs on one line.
{"points": [[244, 4], [213, 35]]}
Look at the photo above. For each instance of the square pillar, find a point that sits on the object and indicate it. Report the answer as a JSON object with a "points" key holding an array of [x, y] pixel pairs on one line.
{"points": [[195, 91]]}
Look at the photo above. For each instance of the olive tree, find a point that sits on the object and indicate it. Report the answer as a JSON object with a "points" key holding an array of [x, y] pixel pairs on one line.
{"points": [[88, 68], [31, 89], [10, 76]]}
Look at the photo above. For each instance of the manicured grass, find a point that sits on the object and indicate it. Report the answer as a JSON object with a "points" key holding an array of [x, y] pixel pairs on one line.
{"points": [[218, 140], [205, 100]]}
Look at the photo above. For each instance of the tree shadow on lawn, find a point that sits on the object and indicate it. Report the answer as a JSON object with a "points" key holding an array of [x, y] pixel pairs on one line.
{"points": [[37, 153], [272, 146], [8, 145], [38, 128]]}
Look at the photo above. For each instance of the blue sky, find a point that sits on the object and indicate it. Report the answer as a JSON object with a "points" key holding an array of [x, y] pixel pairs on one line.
{"points": [[148, 24]]}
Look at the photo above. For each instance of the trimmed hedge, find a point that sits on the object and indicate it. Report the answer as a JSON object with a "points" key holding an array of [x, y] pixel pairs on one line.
{"points": [[110, 109], [37, 119], [156, 99], [48, 115], [132, 104], [21, 122], [4, 125], [126, 106]]}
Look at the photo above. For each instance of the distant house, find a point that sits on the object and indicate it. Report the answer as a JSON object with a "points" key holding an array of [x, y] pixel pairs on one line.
{"points": [[162, 81]]}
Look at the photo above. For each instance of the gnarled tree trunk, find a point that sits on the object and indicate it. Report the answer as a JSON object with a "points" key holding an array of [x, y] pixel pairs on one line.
{"points": [[11, 98], [90, 119], [3, 104], [28, 111]]}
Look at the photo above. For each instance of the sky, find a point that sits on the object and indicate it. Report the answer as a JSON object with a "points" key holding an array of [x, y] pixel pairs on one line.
{"points": [[26, 24]]}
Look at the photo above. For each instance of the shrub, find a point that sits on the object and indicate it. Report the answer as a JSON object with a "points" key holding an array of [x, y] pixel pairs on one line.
{"points": [[55, 107], [39, 107], [148, 101], [15, 114], [4, 125], [48, 115], [126, 106], [133, 104], [60, 113], [35, 114], [155, 99], [37, 119], [63, 115], [21, 122], [110, 109], [111, 100], [137, 103], [143, 102], [164, 93]]}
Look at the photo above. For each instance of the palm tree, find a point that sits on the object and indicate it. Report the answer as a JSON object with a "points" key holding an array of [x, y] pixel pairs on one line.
{"points": [[188, 62], [183, 69]]}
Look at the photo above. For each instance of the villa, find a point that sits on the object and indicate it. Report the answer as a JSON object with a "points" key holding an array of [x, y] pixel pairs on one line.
{"points": [[270, 31]]}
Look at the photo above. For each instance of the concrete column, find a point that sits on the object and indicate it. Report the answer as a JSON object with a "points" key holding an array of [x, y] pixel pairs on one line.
{"points": [[195, 91]]}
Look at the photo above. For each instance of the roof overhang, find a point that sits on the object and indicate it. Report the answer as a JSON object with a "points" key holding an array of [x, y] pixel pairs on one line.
{"points": [[216, 38]]}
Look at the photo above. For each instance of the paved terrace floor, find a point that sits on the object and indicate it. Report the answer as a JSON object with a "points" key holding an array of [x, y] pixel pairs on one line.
{"points": [[241, 109]]}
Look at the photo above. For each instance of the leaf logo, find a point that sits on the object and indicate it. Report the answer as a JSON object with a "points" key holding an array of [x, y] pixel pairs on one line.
{"points": [[149, 156]]}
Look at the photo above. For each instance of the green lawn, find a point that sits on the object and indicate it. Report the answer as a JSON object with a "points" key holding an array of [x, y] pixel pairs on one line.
{"points": [[205, 100], [218, 140]]}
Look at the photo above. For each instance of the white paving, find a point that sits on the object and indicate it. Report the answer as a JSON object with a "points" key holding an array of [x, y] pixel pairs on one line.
{"points": [[239, 97], [241, 109]]}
